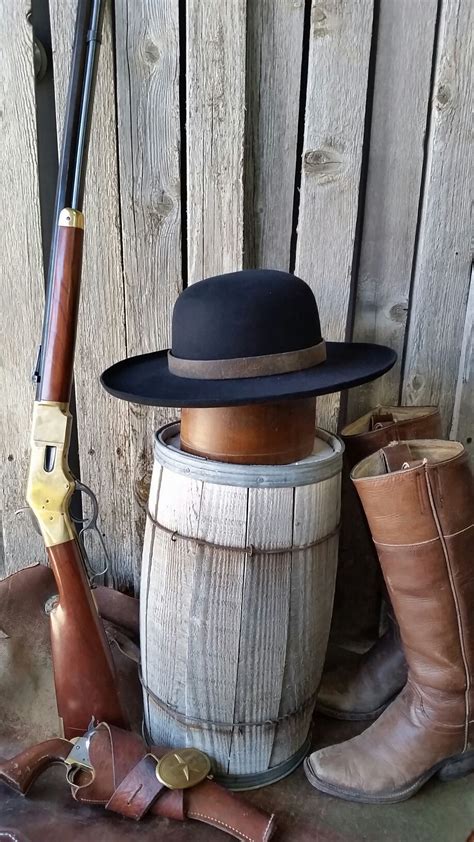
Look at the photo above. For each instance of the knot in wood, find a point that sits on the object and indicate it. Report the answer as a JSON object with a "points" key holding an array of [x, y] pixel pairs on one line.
{"points": [[151, 51], [319, 15], [417, 382], [443, 95], [159, 210], [323, 22], [141, 489], [398, 313], [325, 163]]}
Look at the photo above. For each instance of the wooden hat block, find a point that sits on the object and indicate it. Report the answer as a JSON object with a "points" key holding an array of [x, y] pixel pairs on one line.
{"points": [[275, 433]]}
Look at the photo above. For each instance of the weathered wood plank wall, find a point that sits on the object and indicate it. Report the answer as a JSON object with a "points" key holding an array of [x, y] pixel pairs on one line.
{"points": [[441, 277], [328, 137], [405, 41], [21, 282], [149, 137], [275, 41], [336, 100], [215, 119], [463, 412]]}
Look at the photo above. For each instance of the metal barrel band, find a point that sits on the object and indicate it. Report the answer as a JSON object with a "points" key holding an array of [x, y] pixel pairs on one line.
{"points": [[199, 723], [249, 550], [245, 782], [320, 466]]}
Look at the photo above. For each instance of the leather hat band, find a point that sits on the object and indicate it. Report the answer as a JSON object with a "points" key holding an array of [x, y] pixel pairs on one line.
{"points": [[242, 367]]}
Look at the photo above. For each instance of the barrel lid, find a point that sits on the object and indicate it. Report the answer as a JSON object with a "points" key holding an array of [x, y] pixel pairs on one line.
{"points": [[324, 462]]}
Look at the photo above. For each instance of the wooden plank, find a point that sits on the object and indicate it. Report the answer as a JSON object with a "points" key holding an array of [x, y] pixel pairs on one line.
{"points": [[405, 40], [103, 424], [313, 576], [147, 567], [264, 630], [216, 44], [463, 413], [197, 593], [274, 52], [21, 286], [336, 94], [212, 670], [176, 503], [442, 269], [148, 69]]}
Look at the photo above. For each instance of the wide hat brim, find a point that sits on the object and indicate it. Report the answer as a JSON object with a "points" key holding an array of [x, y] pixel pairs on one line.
{"points": [[146, 379]]}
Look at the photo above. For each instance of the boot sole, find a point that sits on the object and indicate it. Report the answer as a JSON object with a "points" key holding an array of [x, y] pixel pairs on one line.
{"points": [[450, 769]]}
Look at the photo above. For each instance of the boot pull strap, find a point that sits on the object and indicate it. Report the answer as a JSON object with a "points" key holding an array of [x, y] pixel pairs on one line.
{"points": [[379, 420], [398, 456]]}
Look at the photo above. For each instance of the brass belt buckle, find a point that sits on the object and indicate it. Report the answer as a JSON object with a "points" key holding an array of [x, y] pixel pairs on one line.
{"points": [[183, 768]]}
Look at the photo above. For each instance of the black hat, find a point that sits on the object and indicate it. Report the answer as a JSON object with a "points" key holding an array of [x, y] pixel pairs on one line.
{"points": [[245, 337]]}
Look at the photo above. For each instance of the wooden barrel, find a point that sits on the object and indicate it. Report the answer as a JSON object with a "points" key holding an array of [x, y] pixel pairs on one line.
{"points": [[239, 567]]}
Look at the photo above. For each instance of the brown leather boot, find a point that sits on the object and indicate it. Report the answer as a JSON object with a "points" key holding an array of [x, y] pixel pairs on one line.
{"points": [[385, 424], [419, 501], [362, 688]]}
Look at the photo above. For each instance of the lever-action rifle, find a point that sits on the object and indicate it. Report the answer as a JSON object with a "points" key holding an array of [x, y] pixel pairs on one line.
{"points": [[83, 668]]}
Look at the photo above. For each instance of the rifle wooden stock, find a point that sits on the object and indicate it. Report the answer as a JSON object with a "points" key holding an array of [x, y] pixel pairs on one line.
{"points": [[84, 673], [58, 360]]}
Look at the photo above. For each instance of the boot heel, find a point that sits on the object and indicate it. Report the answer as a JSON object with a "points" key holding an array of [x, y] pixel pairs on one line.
{"points": [[458, 767]]}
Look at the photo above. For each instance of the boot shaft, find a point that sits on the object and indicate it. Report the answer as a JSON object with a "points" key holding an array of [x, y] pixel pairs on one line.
{"points": [[384, 424], [413, 485], [419, 502], [359, 588]]}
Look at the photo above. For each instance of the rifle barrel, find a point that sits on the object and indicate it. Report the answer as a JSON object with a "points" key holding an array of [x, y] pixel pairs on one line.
{"points": [[76, 132], [72, 118], [90, 75]]}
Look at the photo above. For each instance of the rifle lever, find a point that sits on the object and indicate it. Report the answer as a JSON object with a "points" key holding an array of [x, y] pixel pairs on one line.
{"points": [[90, 524]]}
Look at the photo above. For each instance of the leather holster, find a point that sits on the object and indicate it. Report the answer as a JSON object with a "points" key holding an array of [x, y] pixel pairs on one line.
{"points": [[125, 782], [122, 777]]}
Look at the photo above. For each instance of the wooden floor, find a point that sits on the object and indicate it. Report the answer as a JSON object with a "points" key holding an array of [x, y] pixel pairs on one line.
{"points": [[439, 813]]}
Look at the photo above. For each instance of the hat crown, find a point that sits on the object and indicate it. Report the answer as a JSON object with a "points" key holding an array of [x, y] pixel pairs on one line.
{"points": [[245, 314]]}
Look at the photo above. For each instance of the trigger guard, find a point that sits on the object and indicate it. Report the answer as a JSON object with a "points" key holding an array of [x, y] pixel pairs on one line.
{"points": [[71, 774], [74, 771]]}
